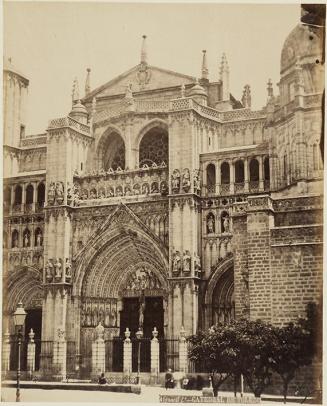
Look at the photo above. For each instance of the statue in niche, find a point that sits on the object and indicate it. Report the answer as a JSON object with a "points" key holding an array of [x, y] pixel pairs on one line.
{"points": [[141, 311], [154, 187], [226, 224], [175, 181], [99, 332], [128, 191], [186, 181], [88, 317], [176, 262], [210, 224], [119, 191], [69, 196], [68, 269], [113, 317], [110, 192], [49, 271], [26, 240], [102, 194], [145, 189], [95, 317], [186, 262], [85, 194], [164, 188], [136, 189], [101, 315], [51, 193], [107, 316], [57, 265], [93, 194], [196, 181], [59, 192], [197, 263]]}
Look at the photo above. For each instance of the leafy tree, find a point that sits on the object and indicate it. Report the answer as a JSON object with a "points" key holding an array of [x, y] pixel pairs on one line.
{"points": [[290, 351]]}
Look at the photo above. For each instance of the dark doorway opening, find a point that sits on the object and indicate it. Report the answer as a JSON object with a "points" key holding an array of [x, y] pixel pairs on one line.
{"points": [[34, 320]]}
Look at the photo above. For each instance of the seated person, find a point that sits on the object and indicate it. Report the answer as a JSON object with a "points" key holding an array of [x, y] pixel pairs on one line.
{"points": [[169, 379], [102, 379]]}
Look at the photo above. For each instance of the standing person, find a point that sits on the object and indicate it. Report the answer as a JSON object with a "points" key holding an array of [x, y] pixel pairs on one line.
{"points": [[102, 379], [169, 379]]}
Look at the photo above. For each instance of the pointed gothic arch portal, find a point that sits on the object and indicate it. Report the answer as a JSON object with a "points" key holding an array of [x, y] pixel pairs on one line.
{"points": [[125, 267]]}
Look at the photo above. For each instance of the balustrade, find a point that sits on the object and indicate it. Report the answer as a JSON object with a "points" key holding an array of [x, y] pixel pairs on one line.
{"points": [[254, 186], [225, 189], [239, 187]]}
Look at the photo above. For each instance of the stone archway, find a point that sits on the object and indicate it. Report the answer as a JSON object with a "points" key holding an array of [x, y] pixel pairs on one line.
{"points": [[219, 296], [123, 260]]}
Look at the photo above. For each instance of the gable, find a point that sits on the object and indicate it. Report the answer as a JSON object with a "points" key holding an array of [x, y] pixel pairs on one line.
{"points": [[142, 78]]}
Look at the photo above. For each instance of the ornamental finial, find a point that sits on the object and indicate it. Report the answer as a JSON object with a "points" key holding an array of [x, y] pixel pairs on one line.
{"points": [[75, 92], [88, 81], [204, 70], [144, 51]]}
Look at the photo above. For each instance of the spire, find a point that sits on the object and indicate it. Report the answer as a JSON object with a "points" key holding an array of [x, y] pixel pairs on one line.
{"points": [[205, 71], [224, 77], [246, 98], [143, 51], [75, 92], [87, 82]]}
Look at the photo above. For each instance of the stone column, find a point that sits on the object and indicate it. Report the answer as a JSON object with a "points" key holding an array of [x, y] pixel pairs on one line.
{"points": [[246, 175], [59, 355], [231, 177], [155, 356], [127, 353], [218, 177], [261, 183], [12, 198], [34, 196], [6, 352], [98, 352], [182, 349], [31, 353], [23, 197]]}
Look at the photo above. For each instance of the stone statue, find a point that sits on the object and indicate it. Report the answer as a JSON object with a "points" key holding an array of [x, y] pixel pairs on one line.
{"points": [[49, 271], [69, 196], [210, 224], [154, 187], [57, 265], [196, 181], [226, 224], [26, 240], [113, 317], [164, 188], [59, 192], [145, 189], [186, 182], [176, 262], [51, 193], [197, 263], [128, 94], [175, 182], [110, 192], [68, 269], [141, 312], [99, 332], [39, 239], [186, 262]]}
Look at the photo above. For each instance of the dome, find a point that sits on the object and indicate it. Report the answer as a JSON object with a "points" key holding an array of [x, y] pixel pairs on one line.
{"points": [[304, 43], [197, 90], [78, 108]]}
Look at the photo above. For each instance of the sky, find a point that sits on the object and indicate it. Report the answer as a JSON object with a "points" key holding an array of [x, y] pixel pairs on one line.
{"points": [[52, 43]]}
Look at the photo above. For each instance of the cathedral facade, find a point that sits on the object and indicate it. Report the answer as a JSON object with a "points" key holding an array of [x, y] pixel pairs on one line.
{"points": [[162, 201]]}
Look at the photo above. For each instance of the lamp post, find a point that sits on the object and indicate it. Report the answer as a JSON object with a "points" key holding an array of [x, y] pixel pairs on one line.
{"points": [[19, 319], [139, 335]]}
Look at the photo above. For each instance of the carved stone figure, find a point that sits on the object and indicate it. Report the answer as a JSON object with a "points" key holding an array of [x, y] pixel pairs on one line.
{"points": [[110, 192], [93, 194], [99, 332], [39, 239], [59, 192], [68, 270], [57, 265], [210, 224], [49, 271], [145, 189], [197, 263], [164, 188], [186, 182], [119, 191], [176, 262], [51, 193], [196, 181], [26, 240], [186, 262], [113, 317], [226, 224], [102, 194], [61, 334], [175, 181], [136, 189], [69, 196], [128, 191], [154, 187]]}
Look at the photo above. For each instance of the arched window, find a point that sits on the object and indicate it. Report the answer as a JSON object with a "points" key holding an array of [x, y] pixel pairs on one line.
{"points": [[266, 168], [18, 194], [29, 194], [26, 238], [41, 194], [112, 149], [38, 238], [14, 239], [225, 179], [154, 147], [239, 171], [211, 178], [254, 170], [223, 302]]}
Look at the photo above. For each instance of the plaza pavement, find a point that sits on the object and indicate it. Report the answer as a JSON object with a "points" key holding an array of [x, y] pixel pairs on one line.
{"points": [[148, 395]]}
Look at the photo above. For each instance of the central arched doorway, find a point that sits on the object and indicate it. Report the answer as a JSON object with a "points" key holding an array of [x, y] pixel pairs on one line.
{"points": [[122, 282]]}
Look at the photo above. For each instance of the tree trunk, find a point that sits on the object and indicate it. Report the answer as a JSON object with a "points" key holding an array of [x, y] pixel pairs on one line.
{"points": [[235, 385]]}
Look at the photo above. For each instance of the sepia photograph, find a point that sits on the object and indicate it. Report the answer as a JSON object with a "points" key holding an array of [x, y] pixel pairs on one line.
{"points": [[163, 173]]}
